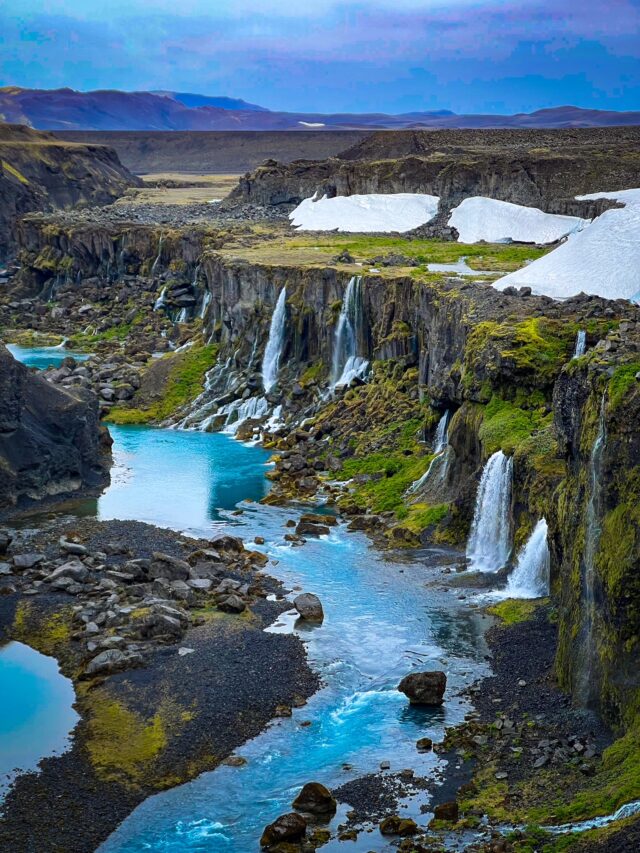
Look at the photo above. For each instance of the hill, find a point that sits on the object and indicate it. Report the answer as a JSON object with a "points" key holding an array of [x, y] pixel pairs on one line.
{"points": [[67, 109]]}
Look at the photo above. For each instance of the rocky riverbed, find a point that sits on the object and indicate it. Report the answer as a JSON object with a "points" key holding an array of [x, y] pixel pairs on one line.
{"points": [[150, 626]]}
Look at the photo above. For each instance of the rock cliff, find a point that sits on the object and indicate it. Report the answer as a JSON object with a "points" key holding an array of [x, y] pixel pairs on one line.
{"points": [[50, 440]]}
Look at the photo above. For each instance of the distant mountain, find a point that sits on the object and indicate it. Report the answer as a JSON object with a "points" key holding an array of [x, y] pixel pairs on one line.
{"points": [[67, 109], [191, 100]]}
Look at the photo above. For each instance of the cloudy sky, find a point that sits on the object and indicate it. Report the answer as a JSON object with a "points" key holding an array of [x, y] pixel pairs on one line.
{"points": [[335, 55]]}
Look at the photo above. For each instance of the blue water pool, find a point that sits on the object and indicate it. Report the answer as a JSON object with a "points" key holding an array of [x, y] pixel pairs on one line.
{"points": [[43, 357], [37, 710]]}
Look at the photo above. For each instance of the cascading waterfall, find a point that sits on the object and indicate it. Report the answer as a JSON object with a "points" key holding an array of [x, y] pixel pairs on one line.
{"points": [[275, 343], [160, 301], [183, 316], [347, 363], [581, 344], [239, 411], [158, 256], [530, 578], [585, 686], [489, 543], [440, 449]]}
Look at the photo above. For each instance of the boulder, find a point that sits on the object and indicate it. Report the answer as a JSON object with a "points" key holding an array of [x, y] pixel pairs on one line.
{"points": [[70, 547], [317, 518], [169, 567], [307, 528], [315, 799], [287, 827], [232, 604], [113, 660], [424, 688], [309, 607], [75, 570], [396, 825], [447, 811], [27, 561]]}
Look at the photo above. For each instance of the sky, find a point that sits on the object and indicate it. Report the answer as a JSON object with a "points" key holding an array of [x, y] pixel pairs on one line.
{"points": [[496, 56]]}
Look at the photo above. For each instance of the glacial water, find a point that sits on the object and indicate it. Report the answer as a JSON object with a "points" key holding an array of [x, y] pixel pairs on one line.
{"points": [[37, 710], [180, 479], [43, 357], [382, 620]]}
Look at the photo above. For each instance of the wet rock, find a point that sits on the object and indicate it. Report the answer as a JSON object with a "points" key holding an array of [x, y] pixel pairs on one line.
{"points": [[396, 825], [424, 744], [287, 827], [424, 688], [317, 518], [316, 799], [309, 607], [447, 811], [306, 528]]}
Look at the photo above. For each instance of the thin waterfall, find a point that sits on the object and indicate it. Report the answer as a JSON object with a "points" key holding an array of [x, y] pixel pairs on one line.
{"points": [[206, 301], [581, 343], [275, 343], [183, 316], [440, 448], [160, 301], [239, 411], [159, 255], [347, 363], [530, 578], [585, 690], [489, 545]]}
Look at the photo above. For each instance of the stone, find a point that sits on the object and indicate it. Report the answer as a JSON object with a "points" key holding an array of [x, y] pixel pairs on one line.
{"points": [[28, 561], [447, 811], [5, 540], [424, 744], [75, 570], [309, 607], [315, 798], [306, 528], [232, 604], [396, 825], [169, 567], [424, 688], [70, 547], [113, 660], [287, 827]]}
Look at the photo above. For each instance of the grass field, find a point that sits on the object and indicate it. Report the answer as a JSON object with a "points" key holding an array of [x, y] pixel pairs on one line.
{"points": [[180, 188]]}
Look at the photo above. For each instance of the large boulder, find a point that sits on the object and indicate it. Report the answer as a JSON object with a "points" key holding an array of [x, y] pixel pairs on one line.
{"points": [[51, 441], [309, 607], [315, 799], [287, 827], [424, 688]]}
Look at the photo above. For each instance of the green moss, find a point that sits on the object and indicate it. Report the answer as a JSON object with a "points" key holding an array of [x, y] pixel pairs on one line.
{"points": [[183, 385], [47, 634], [505, 425], [312, 374], [513, 610], [622, 381], [419, 516], [121, 744]]}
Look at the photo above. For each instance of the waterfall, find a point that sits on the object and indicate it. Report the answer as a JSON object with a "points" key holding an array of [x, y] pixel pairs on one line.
{"points": [[440, 448], [206, 301], [489, 543], [157, 260], [347, 363], [275, 342], [581, 344], [530, 578], [159, 303], [183, 316], [239, 411], [585, 686]]}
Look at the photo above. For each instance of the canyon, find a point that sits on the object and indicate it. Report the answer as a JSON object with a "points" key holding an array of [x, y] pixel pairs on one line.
{"points": [[490, 433]]}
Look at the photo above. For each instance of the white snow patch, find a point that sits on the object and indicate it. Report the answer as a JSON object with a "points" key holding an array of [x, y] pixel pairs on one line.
{"points": [[398, 212], [478, 218], [603, 259], [312, 123]]}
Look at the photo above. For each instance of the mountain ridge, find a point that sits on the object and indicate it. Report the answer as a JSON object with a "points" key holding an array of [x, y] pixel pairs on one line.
{"points": [[112, 109]]}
